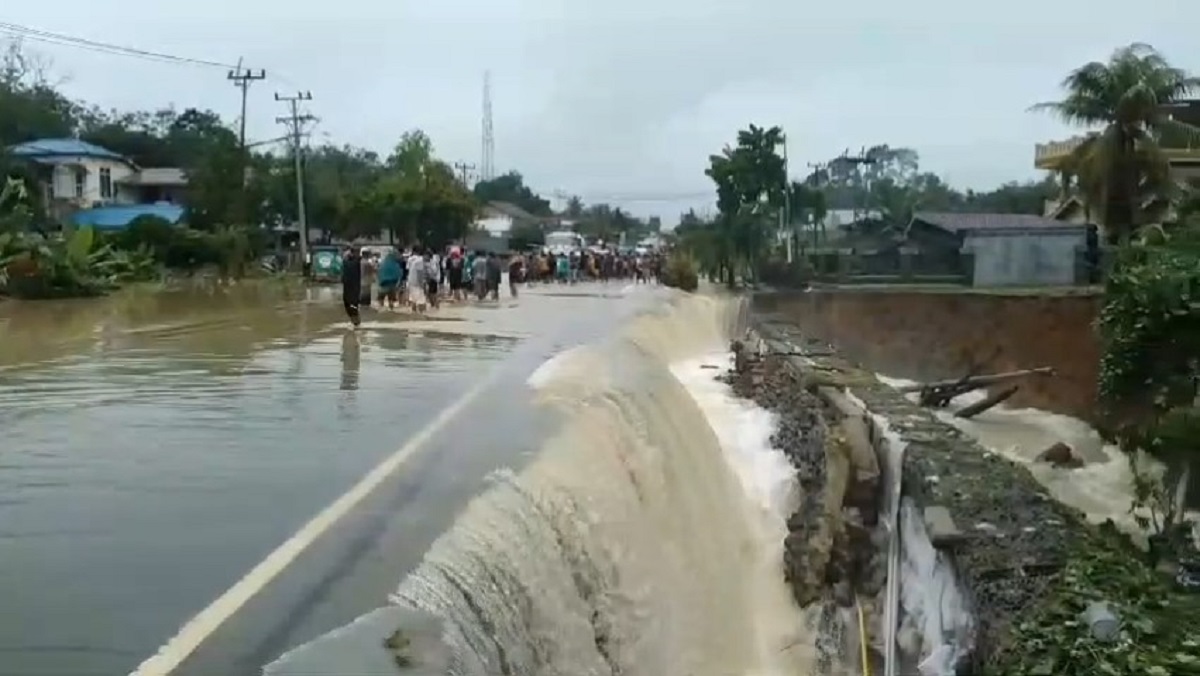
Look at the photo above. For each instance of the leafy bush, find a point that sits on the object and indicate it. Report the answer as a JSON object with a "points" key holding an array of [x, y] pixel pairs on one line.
{"points": [[681, 272], [77, 264], [1157, 620], [230, 249]]}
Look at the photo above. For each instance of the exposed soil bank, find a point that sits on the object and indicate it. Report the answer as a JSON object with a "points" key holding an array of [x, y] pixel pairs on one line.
{"points": [[1022, 565], [930, 335], [1006, 540], [833, 553]]}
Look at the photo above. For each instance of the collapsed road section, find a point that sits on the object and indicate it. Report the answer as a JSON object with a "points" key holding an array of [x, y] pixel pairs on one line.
{"points": [[942, 568]]}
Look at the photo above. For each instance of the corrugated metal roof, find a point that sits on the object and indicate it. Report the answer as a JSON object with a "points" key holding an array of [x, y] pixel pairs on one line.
{"points": [[958, 223], [57, 147], [119, 217]]}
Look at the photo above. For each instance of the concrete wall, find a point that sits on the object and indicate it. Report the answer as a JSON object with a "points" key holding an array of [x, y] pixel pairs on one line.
{"points": [[925, 335], [1022, 258]]}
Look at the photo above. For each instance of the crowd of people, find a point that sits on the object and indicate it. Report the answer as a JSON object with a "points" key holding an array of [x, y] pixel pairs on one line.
{"points": [[420, 279]]}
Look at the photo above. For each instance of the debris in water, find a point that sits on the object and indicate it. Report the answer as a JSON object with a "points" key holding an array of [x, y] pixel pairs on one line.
{"points": [[398, 645]]}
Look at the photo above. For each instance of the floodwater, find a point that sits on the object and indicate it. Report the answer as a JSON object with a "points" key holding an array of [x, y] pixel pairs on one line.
{"points": [[157, 445], [1102, 488]]}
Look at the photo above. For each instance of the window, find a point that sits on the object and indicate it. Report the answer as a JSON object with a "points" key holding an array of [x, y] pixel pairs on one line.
{"points": [[80, 182], [106, 184]]}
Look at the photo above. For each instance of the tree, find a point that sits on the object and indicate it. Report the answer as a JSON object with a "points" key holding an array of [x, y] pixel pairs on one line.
{"points": [[32, 107], [1149, 328], [413, 196], [1122, 165], [574, 207], [511, 188], [526, 235], [751, 180]]}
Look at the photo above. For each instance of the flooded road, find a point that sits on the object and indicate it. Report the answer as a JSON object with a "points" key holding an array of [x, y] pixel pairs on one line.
{"points": [[158, 445]]}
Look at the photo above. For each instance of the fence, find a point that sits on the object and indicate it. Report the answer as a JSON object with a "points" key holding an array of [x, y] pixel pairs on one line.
{"points": [[885, 267]]}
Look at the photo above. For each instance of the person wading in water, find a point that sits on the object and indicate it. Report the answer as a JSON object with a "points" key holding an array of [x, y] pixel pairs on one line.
{"points": [[516, 272], [352, 285], [390, 273]]}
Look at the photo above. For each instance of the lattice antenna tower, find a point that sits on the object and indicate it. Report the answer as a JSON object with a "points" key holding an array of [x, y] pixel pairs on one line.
{"points": [[487, 165]]}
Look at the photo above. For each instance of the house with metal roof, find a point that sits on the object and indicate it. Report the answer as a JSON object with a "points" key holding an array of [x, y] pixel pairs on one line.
{"points": [[91, 185], [1011, 249]]}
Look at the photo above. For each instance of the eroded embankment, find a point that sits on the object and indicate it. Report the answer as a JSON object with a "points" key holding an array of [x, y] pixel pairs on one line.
{"points": [[981, 542], [834, 551]]}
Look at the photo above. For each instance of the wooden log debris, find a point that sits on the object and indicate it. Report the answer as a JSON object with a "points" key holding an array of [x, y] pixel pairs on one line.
{"points": [[981, 381], [987, 403], [940, 393]]}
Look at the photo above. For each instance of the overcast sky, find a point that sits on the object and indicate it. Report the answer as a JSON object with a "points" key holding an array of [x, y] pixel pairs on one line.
{"points": [[623, 100]]}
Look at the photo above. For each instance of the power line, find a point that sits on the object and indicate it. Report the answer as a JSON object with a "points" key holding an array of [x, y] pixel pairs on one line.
{"points": [[594, 198], [38, 35]]}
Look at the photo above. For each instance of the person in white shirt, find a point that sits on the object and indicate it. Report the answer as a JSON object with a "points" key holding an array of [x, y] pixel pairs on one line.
{"points": [[433, 274], [416, 282]]}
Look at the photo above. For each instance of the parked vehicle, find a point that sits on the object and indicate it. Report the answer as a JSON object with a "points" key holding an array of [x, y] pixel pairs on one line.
{"points": [[326, 264]]}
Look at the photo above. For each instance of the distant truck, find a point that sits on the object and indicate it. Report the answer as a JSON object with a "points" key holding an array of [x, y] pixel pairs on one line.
{"points": [[564, 241]]}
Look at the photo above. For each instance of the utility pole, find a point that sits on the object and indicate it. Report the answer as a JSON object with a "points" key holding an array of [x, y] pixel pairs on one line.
{"points": [[857, 162], [785, 217], [465, 170], [242, 78], [820, 171], [295, 122]]}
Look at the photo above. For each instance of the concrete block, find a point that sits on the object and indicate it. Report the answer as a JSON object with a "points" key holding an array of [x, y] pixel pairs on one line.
{"points": [[940, 526], [358, 648]]}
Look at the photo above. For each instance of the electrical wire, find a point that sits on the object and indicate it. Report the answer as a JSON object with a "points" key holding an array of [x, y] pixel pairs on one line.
{"points": [[598, 198], [52, 38], [37, 35]]}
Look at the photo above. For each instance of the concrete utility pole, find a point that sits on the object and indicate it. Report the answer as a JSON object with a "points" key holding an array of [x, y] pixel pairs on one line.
{"points": [[785, 216], [242, 78], [465, 170], [295, 122]]}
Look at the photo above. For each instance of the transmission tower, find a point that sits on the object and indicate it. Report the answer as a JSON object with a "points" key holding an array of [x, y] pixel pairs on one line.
{"points": [[487, 169]]}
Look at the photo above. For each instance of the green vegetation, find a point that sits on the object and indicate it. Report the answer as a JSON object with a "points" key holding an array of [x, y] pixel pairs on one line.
{"points": [[1149, 374], [1122, 168], [1150, 331], [236, 195], [77, 265], [1157, 620], [750, 235], [681, 271]]}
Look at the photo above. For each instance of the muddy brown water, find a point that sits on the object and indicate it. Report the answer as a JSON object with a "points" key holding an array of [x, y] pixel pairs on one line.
{"points": [[156, 445]]}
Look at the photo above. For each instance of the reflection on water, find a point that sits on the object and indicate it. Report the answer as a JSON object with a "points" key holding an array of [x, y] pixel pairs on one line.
{"points": [[351, 351], [156, 445]]}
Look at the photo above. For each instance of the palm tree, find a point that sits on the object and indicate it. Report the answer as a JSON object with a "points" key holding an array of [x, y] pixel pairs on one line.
{"points": [[1122, 165]]}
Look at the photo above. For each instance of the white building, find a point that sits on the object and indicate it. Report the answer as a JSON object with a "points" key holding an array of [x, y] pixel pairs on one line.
{"points": [[81, 177], [498, 218]]}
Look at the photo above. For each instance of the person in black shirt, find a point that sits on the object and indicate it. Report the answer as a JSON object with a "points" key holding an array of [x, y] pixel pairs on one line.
{"points": [[352, 285]]}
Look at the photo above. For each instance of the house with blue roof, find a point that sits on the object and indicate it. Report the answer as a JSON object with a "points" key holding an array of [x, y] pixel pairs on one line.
{"points": [[89, 185]]}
